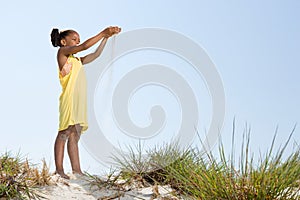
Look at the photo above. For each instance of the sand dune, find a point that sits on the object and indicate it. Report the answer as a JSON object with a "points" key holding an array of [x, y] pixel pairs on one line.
{"points": [[78, 187]]}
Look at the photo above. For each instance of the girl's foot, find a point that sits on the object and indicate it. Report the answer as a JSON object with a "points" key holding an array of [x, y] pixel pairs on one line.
{"points": [[62, 174], [79, 175]]}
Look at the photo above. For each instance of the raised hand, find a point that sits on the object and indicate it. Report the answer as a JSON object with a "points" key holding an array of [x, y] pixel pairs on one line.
{"points": [[109, 31]]}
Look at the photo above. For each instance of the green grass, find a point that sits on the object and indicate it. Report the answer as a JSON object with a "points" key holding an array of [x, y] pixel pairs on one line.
{"points": [[18, 178], [195, 174]]}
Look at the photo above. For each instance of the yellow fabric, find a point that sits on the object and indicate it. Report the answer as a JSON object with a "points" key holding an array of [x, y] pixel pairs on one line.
{"points": [[73, 99]]}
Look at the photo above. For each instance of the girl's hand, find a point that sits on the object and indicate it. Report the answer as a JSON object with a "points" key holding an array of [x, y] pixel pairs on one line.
{"points": [[109, 31]]}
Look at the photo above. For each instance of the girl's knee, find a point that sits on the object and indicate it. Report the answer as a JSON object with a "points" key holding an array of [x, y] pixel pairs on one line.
{"points": [[72, 132], [74, 136], [63, 135]]}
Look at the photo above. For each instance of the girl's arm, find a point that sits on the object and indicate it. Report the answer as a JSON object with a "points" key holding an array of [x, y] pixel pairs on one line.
{"points": [[86, 44], [91, 57]]}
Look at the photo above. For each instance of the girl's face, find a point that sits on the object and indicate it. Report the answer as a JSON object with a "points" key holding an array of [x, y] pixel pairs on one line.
{"points": [[72, 39]]}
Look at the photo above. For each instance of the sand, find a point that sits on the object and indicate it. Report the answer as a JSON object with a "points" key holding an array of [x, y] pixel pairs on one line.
{"points": [[79, 187]]}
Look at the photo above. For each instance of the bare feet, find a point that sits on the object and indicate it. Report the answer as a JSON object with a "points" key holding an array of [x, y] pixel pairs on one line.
{"points": [[62, 174], [77, 172], [78, 175]]}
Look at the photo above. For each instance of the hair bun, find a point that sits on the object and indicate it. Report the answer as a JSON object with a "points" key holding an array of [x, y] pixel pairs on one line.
{"points": [[55, 37]]}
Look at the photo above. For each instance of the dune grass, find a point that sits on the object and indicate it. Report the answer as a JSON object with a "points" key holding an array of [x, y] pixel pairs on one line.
{"points": [[18, 177], [196, 174], [191, 172]]}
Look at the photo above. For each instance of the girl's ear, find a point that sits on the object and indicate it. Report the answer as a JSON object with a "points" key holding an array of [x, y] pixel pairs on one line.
{"points": [[63, 42]]}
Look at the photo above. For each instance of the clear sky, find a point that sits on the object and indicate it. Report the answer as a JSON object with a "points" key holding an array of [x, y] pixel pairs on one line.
{"points": [[255, 46]]}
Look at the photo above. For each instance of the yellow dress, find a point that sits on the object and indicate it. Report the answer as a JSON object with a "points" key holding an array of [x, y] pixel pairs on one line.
{"points": [[73, 99]]}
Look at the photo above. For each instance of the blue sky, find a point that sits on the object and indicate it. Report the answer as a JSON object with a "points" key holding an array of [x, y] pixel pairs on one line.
{"points": [[255, 46]]}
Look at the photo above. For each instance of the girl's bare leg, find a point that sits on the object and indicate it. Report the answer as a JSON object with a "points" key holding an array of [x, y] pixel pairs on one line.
{"points": [[73, 149], [59, 148]]}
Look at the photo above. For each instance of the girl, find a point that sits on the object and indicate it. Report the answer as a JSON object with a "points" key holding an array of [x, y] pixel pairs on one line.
{"points": [[72, 101]]}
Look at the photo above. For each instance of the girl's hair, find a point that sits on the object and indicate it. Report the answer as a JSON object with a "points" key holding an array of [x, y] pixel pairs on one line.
{"points": [[56, 36]]}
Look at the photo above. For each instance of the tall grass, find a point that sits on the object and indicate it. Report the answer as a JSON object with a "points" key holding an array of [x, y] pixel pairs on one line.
{"points": [[196, 174], [18, 177]]}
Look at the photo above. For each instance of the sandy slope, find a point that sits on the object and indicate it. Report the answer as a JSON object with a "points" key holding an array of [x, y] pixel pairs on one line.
{"points": [[79, 188]]}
